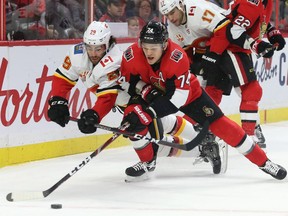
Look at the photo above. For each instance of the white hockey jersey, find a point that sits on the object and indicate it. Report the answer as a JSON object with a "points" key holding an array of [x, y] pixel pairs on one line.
{"points": [[202, 18], [99, 78]]}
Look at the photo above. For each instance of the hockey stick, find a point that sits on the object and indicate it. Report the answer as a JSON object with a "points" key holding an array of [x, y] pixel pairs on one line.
{"points": [[186, 147], [22, 196]]}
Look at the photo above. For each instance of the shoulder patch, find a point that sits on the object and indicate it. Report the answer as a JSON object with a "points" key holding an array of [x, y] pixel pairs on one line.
{"points": [[128, 54], [176, 55], [106, 60], [78, 49]]}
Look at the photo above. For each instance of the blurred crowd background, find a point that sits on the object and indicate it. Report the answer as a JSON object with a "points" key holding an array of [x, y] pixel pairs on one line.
{"points": [[65, 19]]}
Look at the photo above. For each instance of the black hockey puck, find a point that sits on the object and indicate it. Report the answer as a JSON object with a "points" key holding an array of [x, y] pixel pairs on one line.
{"points": [[56, 206]]}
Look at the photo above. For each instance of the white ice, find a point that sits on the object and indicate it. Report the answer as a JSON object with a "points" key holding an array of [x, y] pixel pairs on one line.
{"points": [[177, 187]]}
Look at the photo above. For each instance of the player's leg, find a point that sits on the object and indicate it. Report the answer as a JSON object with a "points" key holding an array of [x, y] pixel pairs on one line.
{"points": [[203, 108], [251, 94], [183, 131], [147, 153], [243, 78], [258, 133]]}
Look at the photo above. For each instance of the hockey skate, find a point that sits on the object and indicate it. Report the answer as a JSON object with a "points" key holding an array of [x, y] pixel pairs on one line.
{"points": [[140, 171], [210, 153], [260, 137], [275, 170]]}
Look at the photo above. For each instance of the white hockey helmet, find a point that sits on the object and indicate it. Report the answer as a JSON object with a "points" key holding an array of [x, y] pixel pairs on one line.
{"points": [[97, 33], [165, 6]]}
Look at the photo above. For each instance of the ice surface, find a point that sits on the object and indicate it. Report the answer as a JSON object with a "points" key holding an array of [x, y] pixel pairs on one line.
{"points": [[177, 187]]}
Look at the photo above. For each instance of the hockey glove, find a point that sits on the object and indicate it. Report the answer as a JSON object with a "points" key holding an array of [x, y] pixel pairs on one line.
{"points": [[210, 67], [87, 121], [137, 118], [149, 93], [260, 46], [275, 37], [58, 111]]}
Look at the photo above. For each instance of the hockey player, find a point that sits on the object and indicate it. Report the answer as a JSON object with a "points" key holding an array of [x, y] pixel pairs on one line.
{"points": [[158, 70], [191, 25], [96, 62], [249, 22]]}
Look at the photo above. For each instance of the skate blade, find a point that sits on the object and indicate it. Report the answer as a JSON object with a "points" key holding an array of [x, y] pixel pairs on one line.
{"points": [[198, 160], [141, 178], [223, 150]]}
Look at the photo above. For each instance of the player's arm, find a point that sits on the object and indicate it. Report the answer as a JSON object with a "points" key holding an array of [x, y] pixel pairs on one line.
{"points": [[61, 84], [106, 90], [64, 79], [105, 101], [175, 95], [237, 31]]}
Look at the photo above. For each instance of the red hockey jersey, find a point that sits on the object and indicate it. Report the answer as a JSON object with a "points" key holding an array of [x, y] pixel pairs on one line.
{"points": [[252, 15], [173, 77]]}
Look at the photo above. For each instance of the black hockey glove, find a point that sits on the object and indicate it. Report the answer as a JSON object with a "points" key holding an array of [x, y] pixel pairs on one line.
{"points": [[260, 46], [87, 121], [149, 93], [275, 37], [210, 67], [58, 111]]}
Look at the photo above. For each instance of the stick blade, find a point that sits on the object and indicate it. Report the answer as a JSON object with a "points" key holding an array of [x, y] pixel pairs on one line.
{"points": [[22, 196]]}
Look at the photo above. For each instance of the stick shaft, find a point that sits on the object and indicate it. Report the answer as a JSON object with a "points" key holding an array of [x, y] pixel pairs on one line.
{"points": [[186, 147], [21, 196]]}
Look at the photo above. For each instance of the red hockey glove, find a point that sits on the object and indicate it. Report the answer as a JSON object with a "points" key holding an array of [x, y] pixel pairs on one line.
{"points": [[58, 111], [149, 93], [137, 118], [260, 46], [87, 121], [275, 37]]}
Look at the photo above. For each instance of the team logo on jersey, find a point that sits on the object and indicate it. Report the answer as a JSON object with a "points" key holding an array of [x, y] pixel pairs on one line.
{"points": [[208, 111], [113, 75], [180, 37], [256, 2], [128, 54], [78, 49], [158, 82], [106, 61], [84, 74], [176, 55]]}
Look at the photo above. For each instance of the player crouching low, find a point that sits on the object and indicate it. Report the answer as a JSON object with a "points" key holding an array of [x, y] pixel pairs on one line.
{"points": [[178, 130], [159, 70], [96, 63]]}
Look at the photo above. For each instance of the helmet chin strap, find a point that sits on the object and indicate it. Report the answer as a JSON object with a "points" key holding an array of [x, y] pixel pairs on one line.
{"points": [[184, 18]]}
